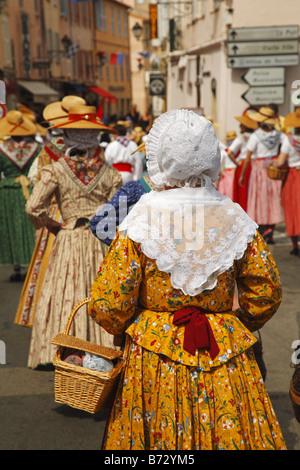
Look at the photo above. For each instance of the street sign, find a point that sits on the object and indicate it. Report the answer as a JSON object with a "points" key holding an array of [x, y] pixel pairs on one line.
{"points": [[263, 33], [261, 95], [263, 61], [264, 76], [262, 48]]}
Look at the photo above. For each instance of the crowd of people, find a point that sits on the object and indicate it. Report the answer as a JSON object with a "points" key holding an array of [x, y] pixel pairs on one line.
{"points": [[86, 206]]}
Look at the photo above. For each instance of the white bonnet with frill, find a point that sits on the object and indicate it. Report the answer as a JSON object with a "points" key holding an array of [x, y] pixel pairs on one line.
{"points": [[182, 150]]}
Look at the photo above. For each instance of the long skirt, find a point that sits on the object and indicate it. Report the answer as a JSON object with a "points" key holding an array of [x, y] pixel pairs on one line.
{"points": [[226, 183], [240, 193], [36, 272], [17, 234], [74, 261], [163, 405], [290, 197], [264, 199]]}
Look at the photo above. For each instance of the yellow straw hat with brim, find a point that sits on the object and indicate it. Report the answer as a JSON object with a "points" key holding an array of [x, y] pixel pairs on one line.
{"points": [[214, 123], [141, 148], [16, 123], [39, 129], [124, 123], [265, 115], [82, 117], [230, 135], [293, 119], [247, 121], [59, 110]]}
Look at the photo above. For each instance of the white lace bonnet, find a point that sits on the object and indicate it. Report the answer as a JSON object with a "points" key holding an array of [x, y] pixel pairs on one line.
{"points": [[193, 233], [182, 149]]}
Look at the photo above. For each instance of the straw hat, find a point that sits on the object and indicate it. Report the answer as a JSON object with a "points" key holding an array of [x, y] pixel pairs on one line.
{"points": [[247, 121], [265, 115], [141, 148], [230, 135], [39, 129], [82, 117], [16, 123], [214, 123], [58, 110], [293, 119], [138, 133], [124, 123]]}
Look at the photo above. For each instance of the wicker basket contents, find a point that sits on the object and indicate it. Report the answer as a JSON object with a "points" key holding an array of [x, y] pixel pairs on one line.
{"points": [[80, 387], [277, 173]]}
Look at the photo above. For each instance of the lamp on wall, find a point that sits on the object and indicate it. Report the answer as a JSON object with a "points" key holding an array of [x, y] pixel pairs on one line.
{"points": [[66, 42], [137, 30], [2, 5]]}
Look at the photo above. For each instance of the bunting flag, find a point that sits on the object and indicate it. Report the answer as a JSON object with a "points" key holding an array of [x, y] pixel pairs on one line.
{"points": [[120, 59], [72, 50], [113, 58], [145, 54]]}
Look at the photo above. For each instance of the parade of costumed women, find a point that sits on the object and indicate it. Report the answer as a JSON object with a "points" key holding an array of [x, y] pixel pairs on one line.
{"points": [[290, 196], [18, 151], [81, 181], [237, 152], [228, 167], [190, 379], [264, 197]]}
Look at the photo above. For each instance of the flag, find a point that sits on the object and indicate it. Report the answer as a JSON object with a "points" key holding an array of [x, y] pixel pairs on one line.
{"points": [[72, 50], [100, 112], [145, 54], [113, 58], [120, 59]]}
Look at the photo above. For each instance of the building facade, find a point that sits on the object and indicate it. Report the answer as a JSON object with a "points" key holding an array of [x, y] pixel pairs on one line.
{"points": [[207, 69]]}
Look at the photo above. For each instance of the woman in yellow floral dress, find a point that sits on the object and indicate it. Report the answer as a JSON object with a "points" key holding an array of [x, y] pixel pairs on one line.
{"points": [[190, 381]]}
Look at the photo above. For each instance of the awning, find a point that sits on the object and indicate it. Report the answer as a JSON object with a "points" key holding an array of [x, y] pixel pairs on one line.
{"points": [[41, 92], [107, 97]]}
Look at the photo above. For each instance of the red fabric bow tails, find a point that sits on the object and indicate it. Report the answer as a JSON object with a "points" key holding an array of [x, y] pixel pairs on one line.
{"points": [[198, 332]]}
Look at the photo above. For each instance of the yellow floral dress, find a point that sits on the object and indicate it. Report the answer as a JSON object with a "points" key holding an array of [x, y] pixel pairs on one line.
{"points": [[169, 399]]}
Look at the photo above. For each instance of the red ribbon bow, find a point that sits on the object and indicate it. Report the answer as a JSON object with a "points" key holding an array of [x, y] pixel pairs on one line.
{"points": [[198, 332]]}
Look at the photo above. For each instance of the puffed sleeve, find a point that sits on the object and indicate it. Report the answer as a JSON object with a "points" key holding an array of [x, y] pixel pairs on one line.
{"points": [[114, 293], [38, 204], [259, 285], [113, 213]]}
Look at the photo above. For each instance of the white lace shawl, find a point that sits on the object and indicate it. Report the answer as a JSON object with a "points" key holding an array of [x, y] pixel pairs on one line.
{"points": [[194, 234]]}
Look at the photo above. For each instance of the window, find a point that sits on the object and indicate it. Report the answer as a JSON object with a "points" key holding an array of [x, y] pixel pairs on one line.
{"points": [[112, 17], [63, 8], [119, 23], [100, 15], [125, 24], [107, 65], [127, 67], [116, 72]]}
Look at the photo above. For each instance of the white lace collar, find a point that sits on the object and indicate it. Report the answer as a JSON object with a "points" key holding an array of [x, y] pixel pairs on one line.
{"points": [[164, 224]]}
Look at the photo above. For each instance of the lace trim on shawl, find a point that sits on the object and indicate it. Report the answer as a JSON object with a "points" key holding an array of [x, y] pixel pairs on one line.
{"points": [[163, 223]]}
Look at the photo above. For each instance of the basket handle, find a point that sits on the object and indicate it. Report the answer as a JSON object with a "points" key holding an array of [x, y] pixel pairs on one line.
{"points": [[73, 313]]}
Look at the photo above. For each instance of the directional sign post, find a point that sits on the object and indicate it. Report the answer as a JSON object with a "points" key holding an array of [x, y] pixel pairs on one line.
{"points": [[260, 95], [273, 33], [263, 61], [262, 48], [269, 76]]}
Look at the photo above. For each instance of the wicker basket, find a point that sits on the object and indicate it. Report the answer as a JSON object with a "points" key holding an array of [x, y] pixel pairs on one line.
{"points": [[277, 173], [77, 386]]}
